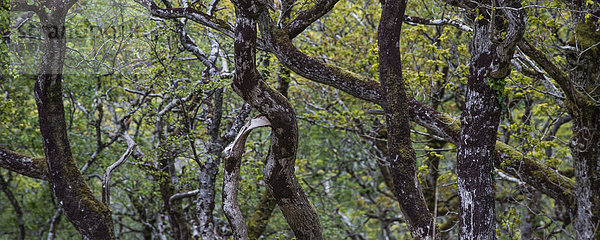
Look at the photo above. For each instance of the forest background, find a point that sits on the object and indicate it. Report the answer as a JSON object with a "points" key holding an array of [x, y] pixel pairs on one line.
{"points": [[318, 119]]}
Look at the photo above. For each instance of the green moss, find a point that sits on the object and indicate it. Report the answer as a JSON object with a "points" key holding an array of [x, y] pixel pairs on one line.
{"points": [[505, 149], [587, 36], [40, 163], [453, 124]]}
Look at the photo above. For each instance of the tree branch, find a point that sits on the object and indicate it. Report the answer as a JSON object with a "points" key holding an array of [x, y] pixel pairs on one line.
{"points": [[178, 196], [279, 43], [233, 158], [22, 5], [438, 22], [307, 17], [189, 13], [107, 175], [25, 165], [554, 71]]}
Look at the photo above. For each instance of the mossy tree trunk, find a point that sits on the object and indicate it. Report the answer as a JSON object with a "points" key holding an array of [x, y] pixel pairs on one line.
{"points": [[89, 216], [257, 223], [401, 155], [584, 79]]}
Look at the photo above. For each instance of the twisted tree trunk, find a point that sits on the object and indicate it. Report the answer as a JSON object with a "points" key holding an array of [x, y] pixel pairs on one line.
{"points": [[279, 168], [89, 216]]}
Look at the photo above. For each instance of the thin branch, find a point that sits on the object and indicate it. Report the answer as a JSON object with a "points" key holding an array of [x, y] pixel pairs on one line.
{"points": [[22, 5], [189, 13], [554, 71], [307, 17], [438, 22], [107, 175], [178, 196]]}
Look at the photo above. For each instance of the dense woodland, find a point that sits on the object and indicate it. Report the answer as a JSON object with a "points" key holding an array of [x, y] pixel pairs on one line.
{"points": [[306, 119]]}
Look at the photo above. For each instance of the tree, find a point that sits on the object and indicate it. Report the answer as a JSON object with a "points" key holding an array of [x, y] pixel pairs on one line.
{"points": [[401, 155], [91, 217], [363, 141]]}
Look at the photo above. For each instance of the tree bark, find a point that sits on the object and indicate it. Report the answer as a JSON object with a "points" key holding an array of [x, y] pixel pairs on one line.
{"points": [[584, 79], [279, 169], [89, 216], [489, 65], [401, 155]]}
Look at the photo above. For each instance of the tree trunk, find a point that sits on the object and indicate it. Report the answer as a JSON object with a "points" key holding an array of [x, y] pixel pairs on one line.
{"points": [[489, 65], [89, 216], [401, 155], [585, 110], [279, 169]]}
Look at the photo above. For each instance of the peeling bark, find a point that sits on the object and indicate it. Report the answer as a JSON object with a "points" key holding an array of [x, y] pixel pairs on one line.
{"points": [[233, 159]]}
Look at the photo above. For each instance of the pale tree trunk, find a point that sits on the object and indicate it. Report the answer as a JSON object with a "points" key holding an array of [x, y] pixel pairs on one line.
{"points": [[489, 65], [401, 155]]}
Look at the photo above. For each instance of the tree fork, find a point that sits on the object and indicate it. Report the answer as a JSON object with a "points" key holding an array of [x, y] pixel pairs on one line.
{"points": [[279, 169]]}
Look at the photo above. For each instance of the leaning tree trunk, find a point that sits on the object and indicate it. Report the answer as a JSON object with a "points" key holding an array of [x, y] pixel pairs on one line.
{"points": [[401, 155], [279, 168], [89, 216], [490, 61]]}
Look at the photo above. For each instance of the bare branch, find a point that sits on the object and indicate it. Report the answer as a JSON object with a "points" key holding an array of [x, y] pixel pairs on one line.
{"points": [[22, 5], [178, 196], [107, 175], [189, 13], [26, 16], [438, 22], [554, 71]]}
